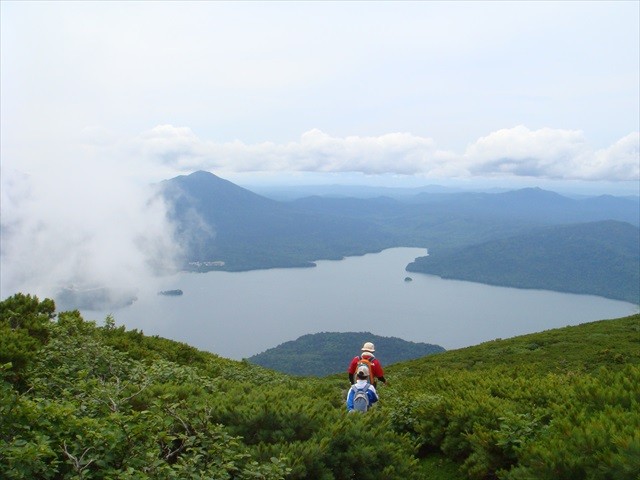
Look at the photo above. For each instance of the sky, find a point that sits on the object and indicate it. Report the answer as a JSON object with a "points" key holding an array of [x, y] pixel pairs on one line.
{"points": [[101, 99]]}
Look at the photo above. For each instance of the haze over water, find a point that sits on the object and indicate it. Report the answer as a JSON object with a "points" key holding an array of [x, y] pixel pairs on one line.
{"points": [[237, 315]]}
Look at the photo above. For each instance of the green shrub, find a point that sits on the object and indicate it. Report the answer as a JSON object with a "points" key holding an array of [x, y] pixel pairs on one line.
{"points": [[595, 435], [81, 401]]}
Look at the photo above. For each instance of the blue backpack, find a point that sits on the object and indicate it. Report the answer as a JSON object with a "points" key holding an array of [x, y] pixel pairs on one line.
{"points": [[360, 398]]}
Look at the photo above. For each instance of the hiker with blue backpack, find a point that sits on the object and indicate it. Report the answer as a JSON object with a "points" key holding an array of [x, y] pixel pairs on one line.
{"points": [[373, 365], [361, 394]]}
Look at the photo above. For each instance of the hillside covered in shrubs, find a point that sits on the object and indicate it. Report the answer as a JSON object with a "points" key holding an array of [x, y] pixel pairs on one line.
{"points": [[82, 400]]}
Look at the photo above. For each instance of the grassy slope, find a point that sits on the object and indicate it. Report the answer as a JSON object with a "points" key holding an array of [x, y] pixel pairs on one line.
{"points": [[478, 377], [584, 347], [581, 349], [272, 412]]}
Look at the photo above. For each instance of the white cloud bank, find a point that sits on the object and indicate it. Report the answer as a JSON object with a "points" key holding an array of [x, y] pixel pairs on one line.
{"points": [[545, 153], [81, 228]]}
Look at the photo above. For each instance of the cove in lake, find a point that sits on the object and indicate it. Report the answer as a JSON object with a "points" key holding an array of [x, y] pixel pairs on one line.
{"points": [[237, 315]]}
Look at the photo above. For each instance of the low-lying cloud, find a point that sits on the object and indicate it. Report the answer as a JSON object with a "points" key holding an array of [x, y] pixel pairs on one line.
{"points": [[84, 229], [545, 153]]}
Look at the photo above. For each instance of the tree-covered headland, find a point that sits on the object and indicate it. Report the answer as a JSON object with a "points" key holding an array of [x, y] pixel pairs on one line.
{"points": [[82, 400]]}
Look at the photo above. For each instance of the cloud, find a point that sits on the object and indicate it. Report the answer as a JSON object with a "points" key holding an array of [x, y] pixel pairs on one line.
{"points": [[84, 224], [621, 161], [518, 152], [552, 154]]}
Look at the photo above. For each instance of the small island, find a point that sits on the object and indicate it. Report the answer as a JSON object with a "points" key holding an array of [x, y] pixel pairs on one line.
{"points": [[171, 292], [408, 279]]}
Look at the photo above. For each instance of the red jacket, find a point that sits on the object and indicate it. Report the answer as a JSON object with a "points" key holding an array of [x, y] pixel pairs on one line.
{"points": [[376, 368]]}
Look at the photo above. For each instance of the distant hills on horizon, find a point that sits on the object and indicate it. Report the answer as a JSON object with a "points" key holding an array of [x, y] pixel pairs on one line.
{"points": [[282, 192], [226, 227]]}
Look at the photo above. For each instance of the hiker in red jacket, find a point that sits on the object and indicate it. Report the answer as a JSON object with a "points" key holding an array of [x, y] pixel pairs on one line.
{"points": [[373, 364]]}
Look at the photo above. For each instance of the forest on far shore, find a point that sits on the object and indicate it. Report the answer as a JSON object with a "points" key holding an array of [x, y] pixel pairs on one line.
{"points": [[528, 238]]}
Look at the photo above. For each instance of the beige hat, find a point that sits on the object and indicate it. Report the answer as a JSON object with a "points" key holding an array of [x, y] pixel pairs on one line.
{"points": [[364, 370], [369, 347]]}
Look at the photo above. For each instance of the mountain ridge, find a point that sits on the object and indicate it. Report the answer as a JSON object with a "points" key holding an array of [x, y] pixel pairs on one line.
{"points": [[219, 220], [226, 227]]}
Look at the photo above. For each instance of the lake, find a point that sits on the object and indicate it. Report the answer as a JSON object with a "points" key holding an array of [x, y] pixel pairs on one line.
{"points": [[237, 315]]}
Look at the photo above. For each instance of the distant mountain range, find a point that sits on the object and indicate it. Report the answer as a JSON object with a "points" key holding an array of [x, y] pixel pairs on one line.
{"points": [[326, 353], [225, 227]]}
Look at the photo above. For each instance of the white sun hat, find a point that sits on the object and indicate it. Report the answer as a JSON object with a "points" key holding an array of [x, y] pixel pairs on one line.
{"points": [[369, 347]]}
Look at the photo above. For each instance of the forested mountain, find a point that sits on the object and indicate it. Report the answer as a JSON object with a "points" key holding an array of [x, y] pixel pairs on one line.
{"points": [[221, 222], [599, 258], [321, 354], [226, 227], [78, 400]]}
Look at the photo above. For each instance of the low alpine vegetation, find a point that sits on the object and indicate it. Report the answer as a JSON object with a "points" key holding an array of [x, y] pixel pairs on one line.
{"points": [[79, 400], [558, 404], [85, 401]]}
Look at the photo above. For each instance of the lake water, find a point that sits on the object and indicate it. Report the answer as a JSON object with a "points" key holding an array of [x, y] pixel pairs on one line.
{"points": [[237, 315]]}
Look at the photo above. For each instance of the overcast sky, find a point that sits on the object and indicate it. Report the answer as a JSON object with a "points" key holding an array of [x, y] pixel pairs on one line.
{"points": [[100, 98], [434, 89]]}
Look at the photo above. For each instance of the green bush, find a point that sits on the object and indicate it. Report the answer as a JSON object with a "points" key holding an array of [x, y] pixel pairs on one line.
{"points": [[508, 418], [594, 435], [91, 410], [90, 402], [24, 328]]}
